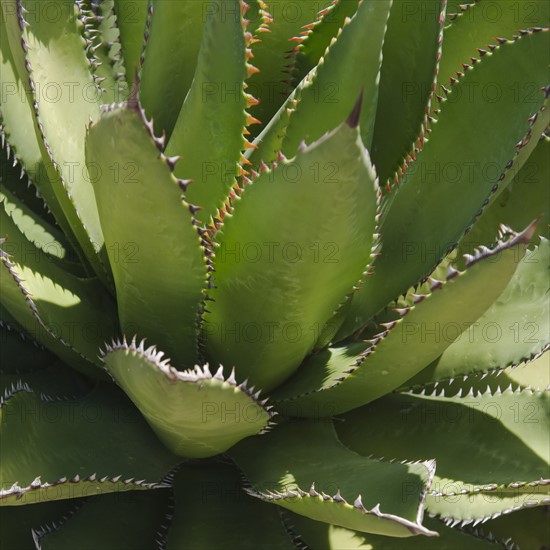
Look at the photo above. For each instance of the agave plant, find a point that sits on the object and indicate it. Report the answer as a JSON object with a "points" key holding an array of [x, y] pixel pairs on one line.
{"points": [[274, 275]]}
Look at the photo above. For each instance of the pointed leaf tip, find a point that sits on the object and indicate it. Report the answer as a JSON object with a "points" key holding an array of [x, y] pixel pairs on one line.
{"points": [[353, 119]]}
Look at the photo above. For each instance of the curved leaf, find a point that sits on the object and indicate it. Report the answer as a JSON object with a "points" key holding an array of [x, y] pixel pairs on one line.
{"points": [[300, 464], [195, 413], [341, 378], [55, 450]]}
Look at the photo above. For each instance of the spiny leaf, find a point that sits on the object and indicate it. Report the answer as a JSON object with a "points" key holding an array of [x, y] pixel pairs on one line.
{"points": [[301, 464], [159, 295], [289, 267], [208, 134], [341, 378], [328, 93], [127, 521], [491, 449], [57, 450], [195, 413], [173, 39], [130, 19], [70, 316], [514, 329], [444, 191], [411, 52]]}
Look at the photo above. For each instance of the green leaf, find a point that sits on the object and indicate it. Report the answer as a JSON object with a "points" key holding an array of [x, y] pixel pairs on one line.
{"points": [[527, 528], [55, 450], [527, 197], [70, 316], [514, 329], [174, 33], [208, 495], [328, 93], [317, 38], [332, 537], [127, 521], [159, 295], [491, 450], [208, 134], [342, 378], [105, 50], [300, 464], [55, 60], [291, 248], [17, 118], [443, 192], [273, 51], [412, 47], [18, 522], [131, 18], [195, 413], [480, 25]]}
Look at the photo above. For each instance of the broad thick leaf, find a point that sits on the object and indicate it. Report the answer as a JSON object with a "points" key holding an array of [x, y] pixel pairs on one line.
{"points": [[492, 451], [444, 191], [412, 47], [339, 379], [328, 93], [65, 98], [70, 316], [211, 495], [154, 248], [55, 450], [172, 45], [208, 135], [121, 521], [131, 18], [291, 247], [195, 413], [514, 329], [301, 464], [318, 535]]}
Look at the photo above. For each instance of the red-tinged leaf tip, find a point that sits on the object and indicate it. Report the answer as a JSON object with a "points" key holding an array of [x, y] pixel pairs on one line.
{"points": [[353, 119]]}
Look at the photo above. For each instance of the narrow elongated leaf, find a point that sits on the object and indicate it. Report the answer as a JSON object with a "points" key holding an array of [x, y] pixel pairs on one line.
{"points": [[70, 316], [128, 520], [491, 450], [195, 413], [212, 494], [170, 56], [327, 94], [479, 26], [289, 267], [130, 19], [342, 378], [17, 117], [412, 47], [159, 293], [55, 450], [303, 467], [208, 134], [444, 191], [65, 97], [514, 329], [274, 46]]}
